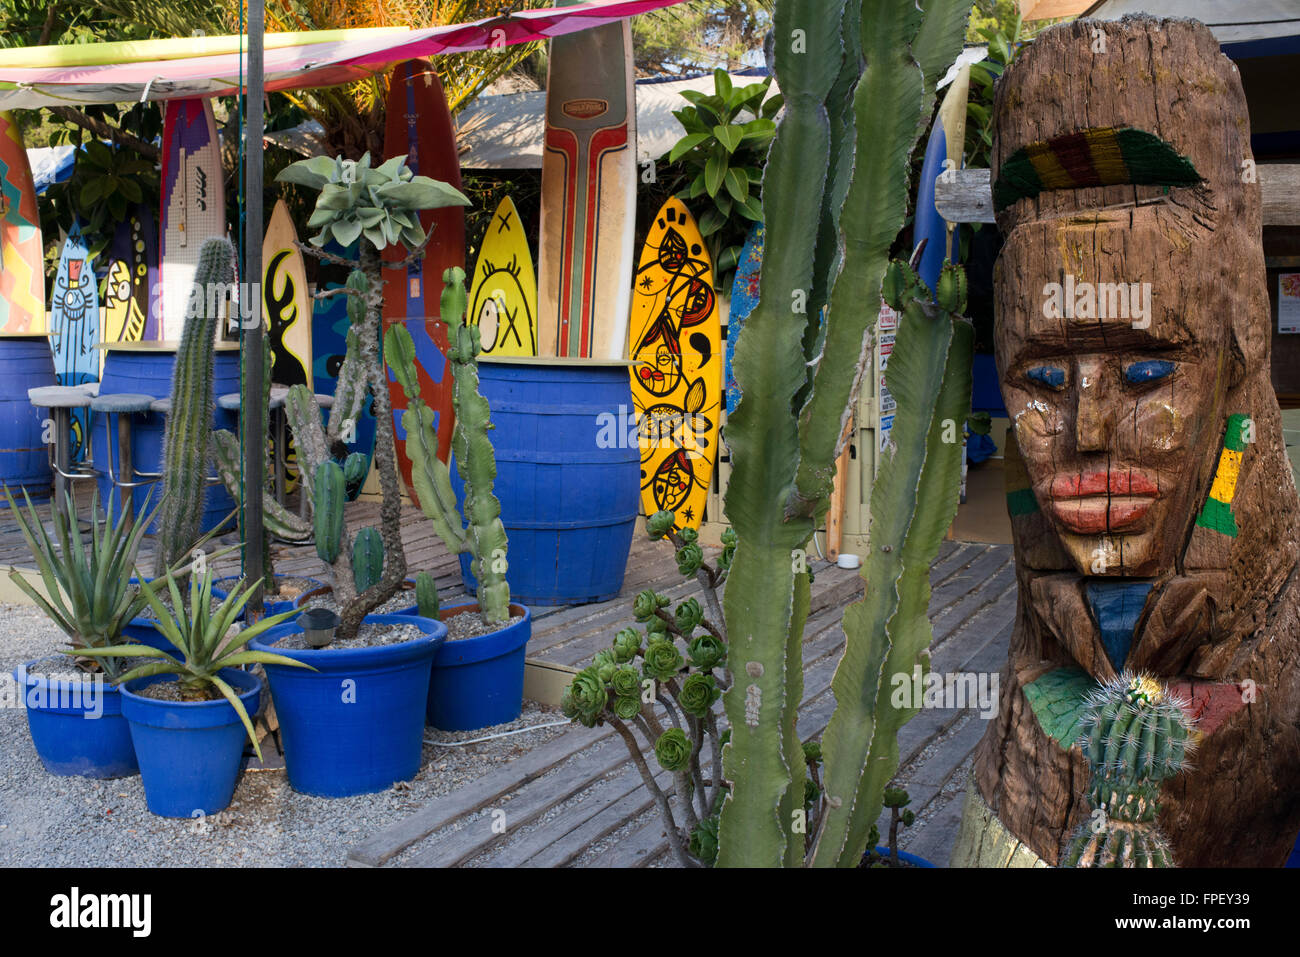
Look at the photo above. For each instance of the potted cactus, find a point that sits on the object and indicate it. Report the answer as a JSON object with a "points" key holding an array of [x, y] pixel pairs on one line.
{"points": [[478, 675], [370, 736]]}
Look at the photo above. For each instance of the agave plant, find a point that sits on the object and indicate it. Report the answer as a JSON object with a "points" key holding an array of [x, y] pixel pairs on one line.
{"points": [[380, 203], [203, 638], [88, 591]]}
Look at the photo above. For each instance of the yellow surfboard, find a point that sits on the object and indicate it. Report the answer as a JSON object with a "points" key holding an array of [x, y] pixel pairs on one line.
{"points": [[675, 339], [503, 296], [286, 302]]}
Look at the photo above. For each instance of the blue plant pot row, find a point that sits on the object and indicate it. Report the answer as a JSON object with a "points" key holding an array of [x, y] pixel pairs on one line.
{"points": [[355, 725]]}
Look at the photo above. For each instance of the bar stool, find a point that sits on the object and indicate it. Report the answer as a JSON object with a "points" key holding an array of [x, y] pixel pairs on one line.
{"points": [[124, 405], [232, 401], [61, 400]]}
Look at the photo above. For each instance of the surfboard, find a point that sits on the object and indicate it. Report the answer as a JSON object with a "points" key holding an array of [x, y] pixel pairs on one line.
{"points": [[943, 151], [193, 202], [419, 126], [129, 303], [744, 297], [74, 326], [675, 338], [329, 341], [286, 301], [588, 194], [22, 255], [503, 296]]}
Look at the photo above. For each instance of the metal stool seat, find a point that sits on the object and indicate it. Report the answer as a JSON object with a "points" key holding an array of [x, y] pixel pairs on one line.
{"points": [[232, 401], [124, 405], [61, 400]]}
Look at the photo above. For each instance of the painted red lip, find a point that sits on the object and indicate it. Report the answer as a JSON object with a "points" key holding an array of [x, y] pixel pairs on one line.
{"points": [[1101, 502], [1114, 482]]}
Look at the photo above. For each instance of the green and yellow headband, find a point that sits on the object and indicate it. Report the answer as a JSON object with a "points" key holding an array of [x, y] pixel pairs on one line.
{"points": [[1104, 156]]}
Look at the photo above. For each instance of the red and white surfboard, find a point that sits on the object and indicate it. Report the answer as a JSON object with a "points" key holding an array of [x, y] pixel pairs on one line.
{"points": [[588, 195]]}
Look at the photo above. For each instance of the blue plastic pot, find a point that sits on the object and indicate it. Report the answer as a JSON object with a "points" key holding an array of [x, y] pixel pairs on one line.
{"points": [[905, 857], [356, 724], [270, 607], [189, 751], [478, 682], [78, 730], [568, 480]]}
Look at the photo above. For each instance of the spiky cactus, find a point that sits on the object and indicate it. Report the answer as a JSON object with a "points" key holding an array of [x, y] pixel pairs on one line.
{"points": [[1135, 735], [426, 595], [379, 206], [858, 78], [481, 534], [189, 423]]}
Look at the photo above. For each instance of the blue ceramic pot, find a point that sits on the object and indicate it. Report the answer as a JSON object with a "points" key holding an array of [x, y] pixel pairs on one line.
{"points": [[478, 682], [77, 727]]}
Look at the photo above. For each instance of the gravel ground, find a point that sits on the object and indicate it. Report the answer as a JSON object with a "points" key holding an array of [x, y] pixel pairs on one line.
{"points": [[47, 820]]}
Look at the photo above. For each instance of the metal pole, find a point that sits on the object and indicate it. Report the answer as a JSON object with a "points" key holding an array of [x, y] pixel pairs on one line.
{"points": [[253, 400]]}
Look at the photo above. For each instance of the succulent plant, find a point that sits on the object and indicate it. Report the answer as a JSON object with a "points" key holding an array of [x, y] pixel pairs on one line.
{"points": [[203, 641], [380, 203], [673, 750], [662, 660]]}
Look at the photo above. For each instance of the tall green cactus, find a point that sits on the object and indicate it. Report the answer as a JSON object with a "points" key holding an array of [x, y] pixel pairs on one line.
{"points": [[858, 78], [189, 423], [1135, 735], [482, 534]]}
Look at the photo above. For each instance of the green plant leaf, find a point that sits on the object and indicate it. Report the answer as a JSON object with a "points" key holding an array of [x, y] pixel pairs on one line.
{"points": [[715, 171], [737, 185], [729, 136], [685, 145]]}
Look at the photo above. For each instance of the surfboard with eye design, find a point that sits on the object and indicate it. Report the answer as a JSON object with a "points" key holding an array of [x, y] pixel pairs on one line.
{"points": [[129, 307], [675, 338], [193, 202], [74, 326], [22, 255], [503, 297]]}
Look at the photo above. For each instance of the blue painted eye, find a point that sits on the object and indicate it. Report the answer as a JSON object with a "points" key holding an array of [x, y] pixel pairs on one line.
{"points": [[1149, 370], [1051, 376]]}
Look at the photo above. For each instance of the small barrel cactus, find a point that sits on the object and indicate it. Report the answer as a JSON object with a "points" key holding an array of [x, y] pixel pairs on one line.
{"points": [[1135, 735]]}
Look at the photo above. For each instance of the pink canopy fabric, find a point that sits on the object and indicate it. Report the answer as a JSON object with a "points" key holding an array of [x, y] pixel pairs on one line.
{"points": [[295, 67]]}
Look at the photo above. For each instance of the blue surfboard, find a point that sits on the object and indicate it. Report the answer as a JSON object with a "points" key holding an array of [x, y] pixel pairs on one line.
{"points": [[945, 145], [74, 328], [744, 297]]}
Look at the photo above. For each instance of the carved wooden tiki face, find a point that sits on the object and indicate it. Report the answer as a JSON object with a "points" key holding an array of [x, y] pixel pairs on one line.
{"points": [[1115, 339]]}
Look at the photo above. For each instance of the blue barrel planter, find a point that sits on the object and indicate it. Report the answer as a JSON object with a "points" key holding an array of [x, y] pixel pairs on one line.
{"points": [[77, 728], [149, 372], [356, 724], [478, 682], [189, 751], [567, 476], [28, 363]]}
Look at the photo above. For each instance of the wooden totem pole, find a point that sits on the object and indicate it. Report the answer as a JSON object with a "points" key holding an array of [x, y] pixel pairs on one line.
{"points": [[1154, 512]]}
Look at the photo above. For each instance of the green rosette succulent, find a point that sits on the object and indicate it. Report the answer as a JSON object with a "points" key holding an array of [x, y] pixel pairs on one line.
{"points": [[698, 693], [689, 558], [627, 708], [625, 682], [647, 603], [812, 752], [673, 750], [626, 645], [704, 841], [604, 664], [656, 627], [587, 697], [689, 536], [659, 524], [662, 660], [688, 616], [728, 548], [706, 651]]}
